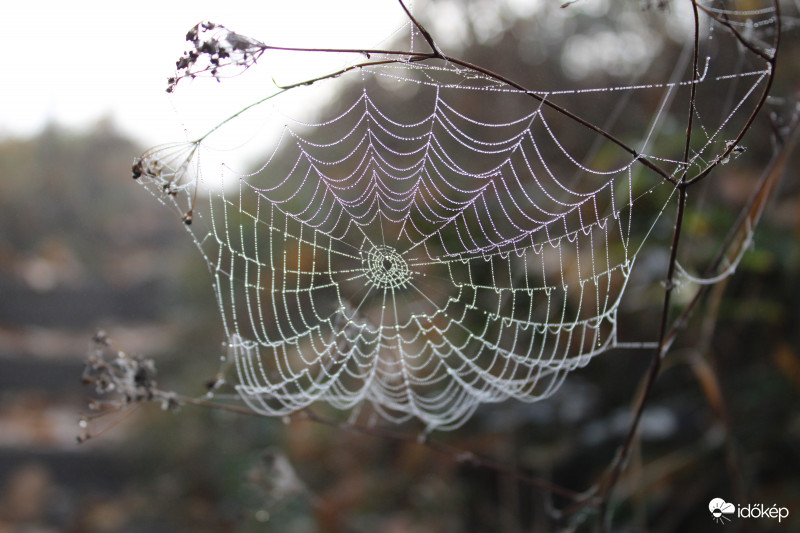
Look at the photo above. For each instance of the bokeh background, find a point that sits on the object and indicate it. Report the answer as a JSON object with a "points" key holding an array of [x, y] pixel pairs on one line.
{"points": [[83, 247]]}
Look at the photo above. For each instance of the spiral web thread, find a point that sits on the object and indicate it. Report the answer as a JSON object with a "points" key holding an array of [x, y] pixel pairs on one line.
{"points": [[452, 253]]}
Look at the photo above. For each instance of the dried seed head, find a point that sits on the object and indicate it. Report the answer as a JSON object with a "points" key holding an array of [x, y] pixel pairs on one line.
{"points": [[215, 46], [136, 169]]}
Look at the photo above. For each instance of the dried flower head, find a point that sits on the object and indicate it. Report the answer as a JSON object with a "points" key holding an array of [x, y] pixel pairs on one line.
{"points": [[215, 49], [123, 380], [169, 169]]}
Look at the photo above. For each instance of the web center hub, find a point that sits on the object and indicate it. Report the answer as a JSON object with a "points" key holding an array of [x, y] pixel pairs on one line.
{"points": [[385, 267]]}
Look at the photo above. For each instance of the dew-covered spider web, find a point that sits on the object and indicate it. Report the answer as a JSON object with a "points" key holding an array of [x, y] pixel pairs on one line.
{"points": [[434, 239]]}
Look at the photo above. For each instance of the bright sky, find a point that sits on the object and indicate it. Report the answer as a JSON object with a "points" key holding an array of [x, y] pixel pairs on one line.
{"points": [[76, 62]]}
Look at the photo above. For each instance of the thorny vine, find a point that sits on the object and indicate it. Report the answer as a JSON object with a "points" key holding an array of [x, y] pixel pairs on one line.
{"points": [[215, 49]]}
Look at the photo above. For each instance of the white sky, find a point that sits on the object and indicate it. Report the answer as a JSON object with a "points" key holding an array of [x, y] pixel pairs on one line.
{"points": [[76, 62]]}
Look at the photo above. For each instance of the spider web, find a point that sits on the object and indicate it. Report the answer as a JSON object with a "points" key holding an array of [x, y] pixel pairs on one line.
{"points": [[439, 241]]}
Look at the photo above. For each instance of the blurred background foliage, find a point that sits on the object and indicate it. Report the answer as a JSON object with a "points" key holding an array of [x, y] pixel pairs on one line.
{"points": [[82, 247]]}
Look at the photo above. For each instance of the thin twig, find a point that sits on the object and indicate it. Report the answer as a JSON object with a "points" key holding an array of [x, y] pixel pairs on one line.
{"points": [[422, 30], [459, 455], [739, 37], [771, 62]]}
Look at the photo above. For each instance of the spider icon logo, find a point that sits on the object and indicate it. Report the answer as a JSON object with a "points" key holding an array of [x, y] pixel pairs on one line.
{"points": [[719, 508]]}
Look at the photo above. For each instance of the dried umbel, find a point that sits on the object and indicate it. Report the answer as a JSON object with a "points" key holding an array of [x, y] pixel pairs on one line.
{"points": [[128, 378], [122, 380], [214, 48], [168, 169]]}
